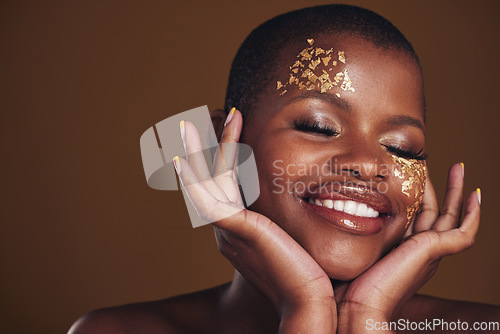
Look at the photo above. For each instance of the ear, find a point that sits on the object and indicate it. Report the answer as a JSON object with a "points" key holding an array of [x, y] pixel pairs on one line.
{"points": [[218, 118]]}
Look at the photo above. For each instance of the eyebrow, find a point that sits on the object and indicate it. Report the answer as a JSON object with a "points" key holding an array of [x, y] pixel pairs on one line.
{"points": [[406, 120], [327, 97]]}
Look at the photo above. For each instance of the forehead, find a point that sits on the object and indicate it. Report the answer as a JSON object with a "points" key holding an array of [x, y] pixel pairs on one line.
{"points": [[350, 69]]}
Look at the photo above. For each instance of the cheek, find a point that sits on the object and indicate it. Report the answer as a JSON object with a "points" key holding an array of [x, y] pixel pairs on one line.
{"points": [[277, 172], [284, 156], [412, 174]]}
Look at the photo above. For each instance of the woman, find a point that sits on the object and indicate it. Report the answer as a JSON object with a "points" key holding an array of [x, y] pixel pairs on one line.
{"points": [[347, 227]]}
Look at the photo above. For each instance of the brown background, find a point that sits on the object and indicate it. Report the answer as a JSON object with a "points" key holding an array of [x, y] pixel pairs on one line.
{"points": [[82, 80]]}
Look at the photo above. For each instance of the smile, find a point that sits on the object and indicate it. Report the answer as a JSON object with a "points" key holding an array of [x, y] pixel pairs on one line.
{"points": [[349, 207]]}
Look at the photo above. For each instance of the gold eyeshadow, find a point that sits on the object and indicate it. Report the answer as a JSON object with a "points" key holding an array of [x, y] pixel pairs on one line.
{"points": [[313, 70], [412, 172]]}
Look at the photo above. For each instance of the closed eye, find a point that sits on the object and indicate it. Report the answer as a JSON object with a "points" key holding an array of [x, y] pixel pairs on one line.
{"points": [[312, 126], [407, 154]]}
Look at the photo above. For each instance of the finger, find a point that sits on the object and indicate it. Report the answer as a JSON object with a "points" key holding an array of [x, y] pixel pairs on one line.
{"points": [[225, 156], [459, 239], [470, 223], [429, 210], [225, 160], [240, 190], [197, 162], [194, 151], [208, 207], [229, 183], [452, 206]]}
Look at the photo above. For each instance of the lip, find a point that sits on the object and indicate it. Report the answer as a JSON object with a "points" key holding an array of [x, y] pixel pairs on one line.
{"points": [[345, 221]]}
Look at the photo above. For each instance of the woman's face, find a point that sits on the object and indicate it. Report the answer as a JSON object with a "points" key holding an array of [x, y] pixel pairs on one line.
{"points": [[320, 145]]}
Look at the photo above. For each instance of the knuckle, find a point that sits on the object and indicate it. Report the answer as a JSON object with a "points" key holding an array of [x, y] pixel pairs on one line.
{"points": [[469, 242], [428, 243], [468, 239], [453, 187], [450, 213], [224, 246], [210, 213]]}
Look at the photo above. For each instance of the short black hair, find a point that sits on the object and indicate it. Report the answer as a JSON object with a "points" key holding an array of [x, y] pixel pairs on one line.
{"points": [[253, 65]]}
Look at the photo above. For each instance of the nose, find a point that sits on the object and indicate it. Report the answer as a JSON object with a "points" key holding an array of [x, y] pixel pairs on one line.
{"points": [[361, 161], [364, 170]]}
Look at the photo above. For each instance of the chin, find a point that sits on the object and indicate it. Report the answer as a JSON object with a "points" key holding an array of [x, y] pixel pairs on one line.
{"points": [[345, 274], [346, 267]]}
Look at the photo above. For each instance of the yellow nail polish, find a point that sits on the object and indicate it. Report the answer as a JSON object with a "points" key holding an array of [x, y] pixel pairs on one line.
{"points": [[230, 116], [478, 192], [183, 129], [177, 164], [463, 168]]}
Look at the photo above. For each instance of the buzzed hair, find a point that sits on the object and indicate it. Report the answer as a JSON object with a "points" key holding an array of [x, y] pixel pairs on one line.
{"points": [[255, 62]]}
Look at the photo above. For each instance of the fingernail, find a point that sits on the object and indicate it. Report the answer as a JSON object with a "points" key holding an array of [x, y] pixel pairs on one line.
{"points": [[478, 192], [463, 169], [183, 129], [177, 164], [230, 116]]}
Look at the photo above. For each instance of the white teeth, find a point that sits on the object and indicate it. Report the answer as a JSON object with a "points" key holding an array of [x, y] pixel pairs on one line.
{"points": [[372, 213], [362, 210], [328, 203], [349, 207]]}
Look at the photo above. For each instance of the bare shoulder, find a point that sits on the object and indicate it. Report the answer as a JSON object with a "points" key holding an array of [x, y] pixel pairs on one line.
{"points": [[422, 308], [190, 313]]}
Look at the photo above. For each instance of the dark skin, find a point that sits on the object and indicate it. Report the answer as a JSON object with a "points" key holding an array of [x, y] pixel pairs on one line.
{"points": [[296, 274]]}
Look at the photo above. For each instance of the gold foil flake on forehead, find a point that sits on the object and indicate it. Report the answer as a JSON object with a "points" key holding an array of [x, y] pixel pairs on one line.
{"points": [[297, 64], [338, 77], [306, 54], [341, 56], [319, 51], [412, 172], [312, 65], [347, 83]]}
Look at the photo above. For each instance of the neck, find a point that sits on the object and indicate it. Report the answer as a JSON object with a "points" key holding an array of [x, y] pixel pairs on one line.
{"points": [[245, 308]]}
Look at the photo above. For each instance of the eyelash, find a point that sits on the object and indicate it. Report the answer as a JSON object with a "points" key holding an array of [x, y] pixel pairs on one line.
{"points": [[407, 154], [307, 125]]}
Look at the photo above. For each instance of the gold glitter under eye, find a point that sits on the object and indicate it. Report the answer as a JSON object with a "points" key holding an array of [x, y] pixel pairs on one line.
{"points": [[412, 171], [310, 72]]}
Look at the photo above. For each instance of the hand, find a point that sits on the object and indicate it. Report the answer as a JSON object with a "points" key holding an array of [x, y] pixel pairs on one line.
{"points": [[258, 248], [386, 286]]}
